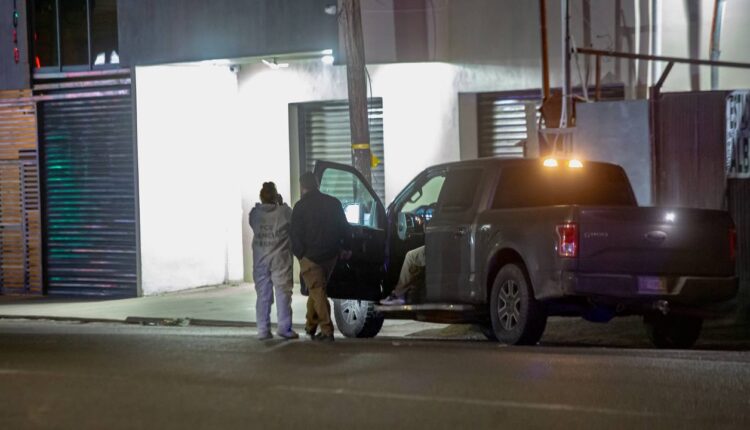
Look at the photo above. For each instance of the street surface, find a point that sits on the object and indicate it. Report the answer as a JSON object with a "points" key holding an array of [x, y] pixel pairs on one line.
{"points": [[70, 375]]}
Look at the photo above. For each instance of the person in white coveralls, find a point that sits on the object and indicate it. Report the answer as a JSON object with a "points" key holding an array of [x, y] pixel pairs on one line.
{"points": [[272, 262]]}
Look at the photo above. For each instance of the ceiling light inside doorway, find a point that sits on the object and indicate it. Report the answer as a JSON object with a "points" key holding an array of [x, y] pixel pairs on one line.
{"points": [[274, 64]]}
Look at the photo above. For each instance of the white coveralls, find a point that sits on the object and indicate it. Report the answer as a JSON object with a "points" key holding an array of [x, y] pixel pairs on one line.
{"points": [[272, 265]]}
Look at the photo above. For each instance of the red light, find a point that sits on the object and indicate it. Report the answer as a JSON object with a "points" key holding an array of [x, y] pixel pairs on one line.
{"points": [[732, 244], [567, 240]]}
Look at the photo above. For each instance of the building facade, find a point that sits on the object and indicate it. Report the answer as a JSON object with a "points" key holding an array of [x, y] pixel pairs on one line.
{"points": [[158, 120]]}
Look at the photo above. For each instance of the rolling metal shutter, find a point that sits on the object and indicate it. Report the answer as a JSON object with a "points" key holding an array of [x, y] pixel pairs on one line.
{"points": [[502, 124], [501, 119], [20, 219], [88, 159], [325, 135]]}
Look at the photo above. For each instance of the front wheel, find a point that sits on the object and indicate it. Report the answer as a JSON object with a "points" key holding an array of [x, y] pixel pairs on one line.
{"points": [[357, 318], [517, 317], [672, 331]]}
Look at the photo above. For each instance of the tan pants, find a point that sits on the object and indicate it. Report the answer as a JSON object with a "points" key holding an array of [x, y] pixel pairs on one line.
{"points": [[318, 309], [412, 272]]}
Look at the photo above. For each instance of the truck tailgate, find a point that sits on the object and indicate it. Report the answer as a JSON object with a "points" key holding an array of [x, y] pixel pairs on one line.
{"points": [[655, 241]]}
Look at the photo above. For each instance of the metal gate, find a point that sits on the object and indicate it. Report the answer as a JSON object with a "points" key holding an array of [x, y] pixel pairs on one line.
{"points": [[690, 150], [701, 141], [20, 226], [88, 182], [325, 136]]}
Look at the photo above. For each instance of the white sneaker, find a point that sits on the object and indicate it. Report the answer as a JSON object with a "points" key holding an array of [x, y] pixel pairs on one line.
{"points": [[393, 301]]}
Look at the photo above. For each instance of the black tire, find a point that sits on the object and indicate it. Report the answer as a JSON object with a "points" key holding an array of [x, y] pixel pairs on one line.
{"points": [[357, 318], [487, 331], [517, 317], [672, 331]]}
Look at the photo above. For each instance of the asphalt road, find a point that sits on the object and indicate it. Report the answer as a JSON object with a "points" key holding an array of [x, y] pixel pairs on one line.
{"points": [[65, 375]]}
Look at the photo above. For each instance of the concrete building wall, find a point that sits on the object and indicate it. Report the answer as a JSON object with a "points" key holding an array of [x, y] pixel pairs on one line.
{"points": [[420, 117], [487, 50], [190, 212], [13, 76], [734, 37], [167, 31], [507, 32]]}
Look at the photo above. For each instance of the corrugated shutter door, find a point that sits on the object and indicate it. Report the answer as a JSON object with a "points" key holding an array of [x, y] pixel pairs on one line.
{"points": [[89, 183], [20, 219], [501, 119], [327, 137], [502, 126]]}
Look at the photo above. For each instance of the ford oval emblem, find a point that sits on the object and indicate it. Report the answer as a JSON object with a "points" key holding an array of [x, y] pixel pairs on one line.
{"points": [[656, 236]]}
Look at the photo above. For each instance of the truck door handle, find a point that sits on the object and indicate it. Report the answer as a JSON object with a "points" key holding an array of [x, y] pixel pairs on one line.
{"points": [[460, 232]]}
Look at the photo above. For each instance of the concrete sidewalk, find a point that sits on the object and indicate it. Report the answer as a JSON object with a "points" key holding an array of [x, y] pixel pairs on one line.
{"points": [[227, 305], [231, 305]]}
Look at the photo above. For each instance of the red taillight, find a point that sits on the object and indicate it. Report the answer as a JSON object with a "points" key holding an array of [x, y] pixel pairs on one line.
{"points": [[732, 244], [567, 240]]}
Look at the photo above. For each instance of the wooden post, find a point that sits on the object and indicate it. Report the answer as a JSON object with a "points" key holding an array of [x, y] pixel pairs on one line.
{"points": [[357, 87]]}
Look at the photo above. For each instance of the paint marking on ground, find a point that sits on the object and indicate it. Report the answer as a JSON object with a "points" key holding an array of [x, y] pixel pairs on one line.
{"points": [[278, 346], [555, 407]]}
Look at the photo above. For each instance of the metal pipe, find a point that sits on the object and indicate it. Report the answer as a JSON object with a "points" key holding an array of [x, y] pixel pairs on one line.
{"points": [[719, 9], [545, 54], [631, 56], [693, 10], [655, 38], [643, 33], [587, 39], [598, 94], [566, 52]]}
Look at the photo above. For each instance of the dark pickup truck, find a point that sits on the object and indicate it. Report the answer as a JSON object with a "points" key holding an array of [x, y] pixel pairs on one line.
{"points": [[510, 242]]}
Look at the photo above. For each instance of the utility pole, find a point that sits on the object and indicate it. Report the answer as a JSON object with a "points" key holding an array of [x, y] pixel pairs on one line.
{"points": [[357, 87]]}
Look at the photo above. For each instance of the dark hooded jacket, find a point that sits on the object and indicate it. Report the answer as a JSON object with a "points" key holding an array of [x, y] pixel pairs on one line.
{"points": [[320, 230]]}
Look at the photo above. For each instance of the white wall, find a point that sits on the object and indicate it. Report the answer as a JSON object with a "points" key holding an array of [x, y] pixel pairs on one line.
{"points": [[221, 144], [507, 32], [420, 117], [190, 212], [734, 43]]}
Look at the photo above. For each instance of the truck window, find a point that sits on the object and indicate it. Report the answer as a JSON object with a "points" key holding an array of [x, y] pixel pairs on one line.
{"points": [[358, 203], [459, 190], [532, 186], [423, 201]]}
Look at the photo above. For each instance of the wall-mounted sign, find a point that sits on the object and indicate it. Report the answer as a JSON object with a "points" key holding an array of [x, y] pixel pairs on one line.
{"points": [[738, 135]]}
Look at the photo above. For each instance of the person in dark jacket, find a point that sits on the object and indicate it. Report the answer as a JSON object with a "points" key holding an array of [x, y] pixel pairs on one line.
{"points": [[320, 234]]}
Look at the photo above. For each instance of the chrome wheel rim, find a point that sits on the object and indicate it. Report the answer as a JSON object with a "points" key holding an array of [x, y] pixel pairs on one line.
{"points": [[353, 311], [509, 305]]}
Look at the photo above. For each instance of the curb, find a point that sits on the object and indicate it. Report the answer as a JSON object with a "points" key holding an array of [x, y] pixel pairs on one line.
{"points": [[61, 319], [145, 321]]}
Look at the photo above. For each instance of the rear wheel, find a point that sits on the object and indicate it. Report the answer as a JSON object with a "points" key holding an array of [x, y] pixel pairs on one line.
{"points": [[517, 317], [487, 331], [673, 331], [357, 318]]}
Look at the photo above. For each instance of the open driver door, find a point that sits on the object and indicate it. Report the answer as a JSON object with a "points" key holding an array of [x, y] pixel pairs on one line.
{"points": [[361, 277]]}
